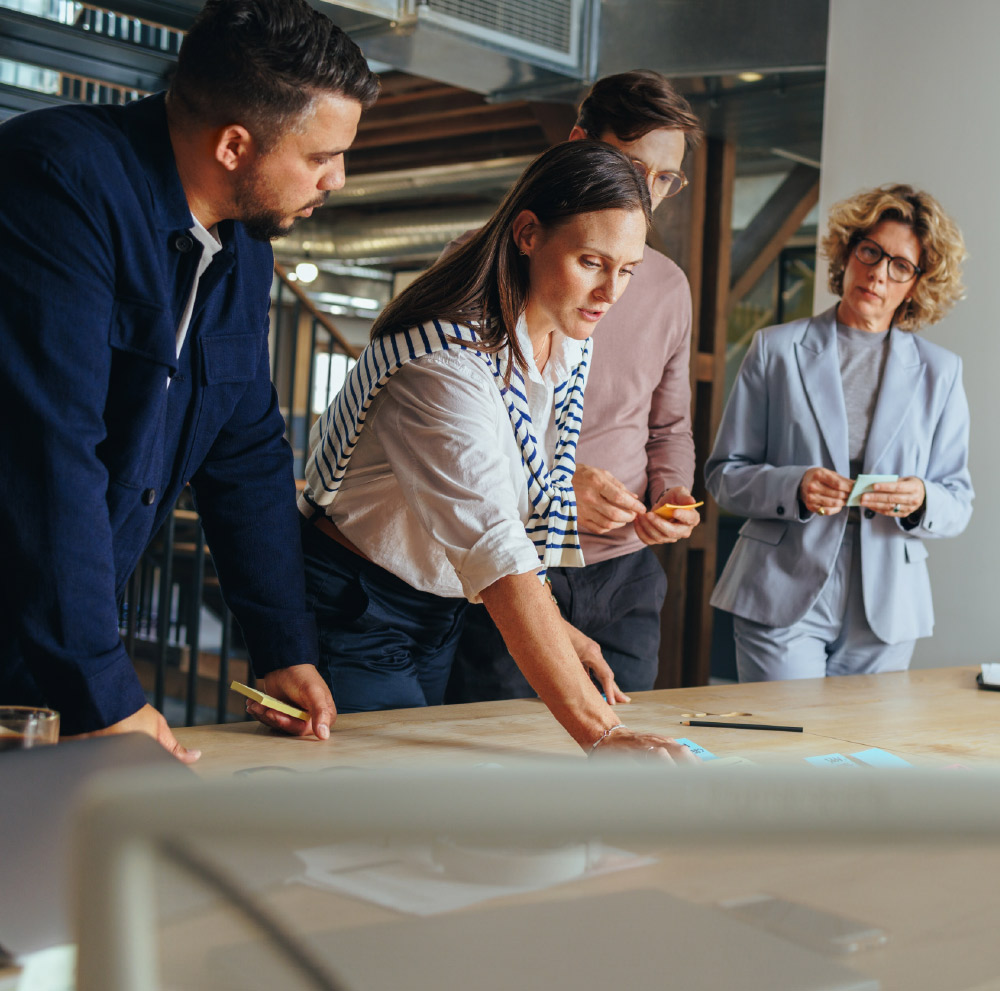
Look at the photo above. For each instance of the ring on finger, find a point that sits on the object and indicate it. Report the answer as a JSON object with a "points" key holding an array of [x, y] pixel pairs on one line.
{"points": [[897, 508], [821, 510]]}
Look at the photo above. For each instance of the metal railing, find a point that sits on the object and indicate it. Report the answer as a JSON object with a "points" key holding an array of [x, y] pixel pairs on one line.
{"points": [[80, 52], [134, 30], [299, 328], [104, 21], [82, 89]]}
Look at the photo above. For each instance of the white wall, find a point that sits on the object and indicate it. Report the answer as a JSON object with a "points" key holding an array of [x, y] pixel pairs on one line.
{"points": [[911, 96]]}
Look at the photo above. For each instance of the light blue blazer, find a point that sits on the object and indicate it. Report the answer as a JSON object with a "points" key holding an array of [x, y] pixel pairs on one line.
{"points": [[786, 414]]}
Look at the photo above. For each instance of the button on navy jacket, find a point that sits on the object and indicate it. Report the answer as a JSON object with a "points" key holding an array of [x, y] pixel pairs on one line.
{"points": [[95, 270]]}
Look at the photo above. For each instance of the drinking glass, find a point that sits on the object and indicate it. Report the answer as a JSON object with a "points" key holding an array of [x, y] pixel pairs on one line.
{"points": [[22, 726]]}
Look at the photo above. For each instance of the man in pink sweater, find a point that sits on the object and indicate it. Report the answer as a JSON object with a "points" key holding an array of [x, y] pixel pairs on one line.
{"points": [[635, 452]]}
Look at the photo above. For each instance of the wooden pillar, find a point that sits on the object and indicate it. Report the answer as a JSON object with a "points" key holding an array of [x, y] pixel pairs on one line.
{"points": [[678, 232], [300, 405], [709, 397], [686, 621]]}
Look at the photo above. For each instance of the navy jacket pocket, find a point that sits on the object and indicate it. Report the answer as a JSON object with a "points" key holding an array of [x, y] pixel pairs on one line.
{"points": [[230, 358], [141, 329], [143, 345]]}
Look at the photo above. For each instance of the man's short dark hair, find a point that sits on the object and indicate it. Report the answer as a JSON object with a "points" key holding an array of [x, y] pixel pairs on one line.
{"points": [[631, 104], [261, 63]]}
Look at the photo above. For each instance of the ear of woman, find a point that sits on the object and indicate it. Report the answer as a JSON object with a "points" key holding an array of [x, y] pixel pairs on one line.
{"points": [[525, 230]]}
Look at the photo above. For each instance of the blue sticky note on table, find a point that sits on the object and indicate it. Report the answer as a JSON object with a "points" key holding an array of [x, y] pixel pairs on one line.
{"points": [[695, 749], [880, 758], [831, 760], [864, 484]]}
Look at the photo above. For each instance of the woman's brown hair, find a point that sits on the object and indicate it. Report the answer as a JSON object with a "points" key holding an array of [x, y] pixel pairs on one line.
{"points": [[484, 282]]}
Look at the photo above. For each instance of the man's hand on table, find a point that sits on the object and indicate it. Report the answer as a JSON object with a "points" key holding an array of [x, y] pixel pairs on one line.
{"points": [[147, 720], [653, 529], [300, 685], [602, 502]]}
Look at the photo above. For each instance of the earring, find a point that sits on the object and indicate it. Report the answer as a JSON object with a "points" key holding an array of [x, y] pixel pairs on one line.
{"points": [[525, 253]]}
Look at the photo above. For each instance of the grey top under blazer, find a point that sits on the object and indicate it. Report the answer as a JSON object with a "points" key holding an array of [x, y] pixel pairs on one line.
{"points": [[786, 414]]}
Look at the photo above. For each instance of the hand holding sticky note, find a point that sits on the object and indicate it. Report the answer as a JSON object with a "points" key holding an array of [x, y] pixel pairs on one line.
{"points": [[269, 701], [864, 484], [667, 509]]}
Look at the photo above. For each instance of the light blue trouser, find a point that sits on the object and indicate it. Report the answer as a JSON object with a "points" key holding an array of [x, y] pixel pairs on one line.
{"points": [[832, 638]]}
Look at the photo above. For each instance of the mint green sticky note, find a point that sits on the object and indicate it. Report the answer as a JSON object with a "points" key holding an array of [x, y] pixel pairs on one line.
{"points": [[880, 758], [864, 484]]}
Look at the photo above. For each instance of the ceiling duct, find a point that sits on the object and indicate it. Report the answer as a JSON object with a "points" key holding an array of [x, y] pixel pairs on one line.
{"points": [[547, 31], [544, 49], [411, 236], [491, 178], [486, 46], [712, 37]]}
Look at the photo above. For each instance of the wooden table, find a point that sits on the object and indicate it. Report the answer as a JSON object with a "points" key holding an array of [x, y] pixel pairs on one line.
{"points": [[939, 906], [928, 717]]}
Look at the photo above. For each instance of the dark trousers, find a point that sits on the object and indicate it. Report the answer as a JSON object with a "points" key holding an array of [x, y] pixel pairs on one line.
{"points": [[616, 602], [382, 643]]}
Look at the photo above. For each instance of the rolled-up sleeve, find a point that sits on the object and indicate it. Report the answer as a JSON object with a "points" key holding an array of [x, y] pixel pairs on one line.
{"points": [[444, 432]]}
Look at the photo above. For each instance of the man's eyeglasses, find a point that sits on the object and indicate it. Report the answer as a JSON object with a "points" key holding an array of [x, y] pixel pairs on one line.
{"points": [[662, 185], [901, 269]]}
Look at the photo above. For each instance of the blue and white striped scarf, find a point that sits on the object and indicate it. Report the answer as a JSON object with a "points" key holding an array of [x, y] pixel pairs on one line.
{"points": [[552, 524]]}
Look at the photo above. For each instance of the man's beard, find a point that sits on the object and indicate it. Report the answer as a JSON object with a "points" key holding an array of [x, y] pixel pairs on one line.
{"points": [[266, 226], [260, 223]]}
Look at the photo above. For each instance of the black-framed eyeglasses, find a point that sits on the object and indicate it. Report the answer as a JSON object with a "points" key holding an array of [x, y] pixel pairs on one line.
{"points": [[662, 185], [870, 252]]}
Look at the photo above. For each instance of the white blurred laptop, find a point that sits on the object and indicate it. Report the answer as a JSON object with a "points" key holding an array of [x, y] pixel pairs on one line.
{"points": [[640, 940], [38, 790]]}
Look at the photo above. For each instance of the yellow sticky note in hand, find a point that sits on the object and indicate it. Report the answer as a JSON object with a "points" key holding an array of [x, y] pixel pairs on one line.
{"points": [[667, 509], [269, 701]]}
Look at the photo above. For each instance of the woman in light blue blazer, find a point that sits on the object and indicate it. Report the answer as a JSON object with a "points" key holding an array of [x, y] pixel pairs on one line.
{"points": [[816, 587]]}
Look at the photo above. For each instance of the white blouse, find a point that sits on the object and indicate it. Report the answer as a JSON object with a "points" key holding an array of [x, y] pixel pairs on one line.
{"points": [[435, 490]]}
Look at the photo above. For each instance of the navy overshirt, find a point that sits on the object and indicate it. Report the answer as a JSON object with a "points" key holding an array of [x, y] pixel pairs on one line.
{"points": [[96, 266]]}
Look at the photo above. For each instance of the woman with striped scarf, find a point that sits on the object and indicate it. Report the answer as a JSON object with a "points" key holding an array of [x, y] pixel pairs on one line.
{"points": [[442, 472]]}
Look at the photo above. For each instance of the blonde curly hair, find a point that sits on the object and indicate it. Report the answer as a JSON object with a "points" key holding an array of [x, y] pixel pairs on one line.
{"points": [[942, 248]]}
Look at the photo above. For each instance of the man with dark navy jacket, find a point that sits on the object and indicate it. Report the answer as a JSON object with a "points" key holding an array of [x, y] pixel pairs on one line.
{"points": [[135, 276]]}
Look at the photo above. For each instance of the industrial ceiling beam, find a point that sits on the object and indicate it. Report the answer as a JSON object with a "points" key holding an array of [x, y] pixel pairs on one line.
{"points": [[15, 100], [41, 42]]}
